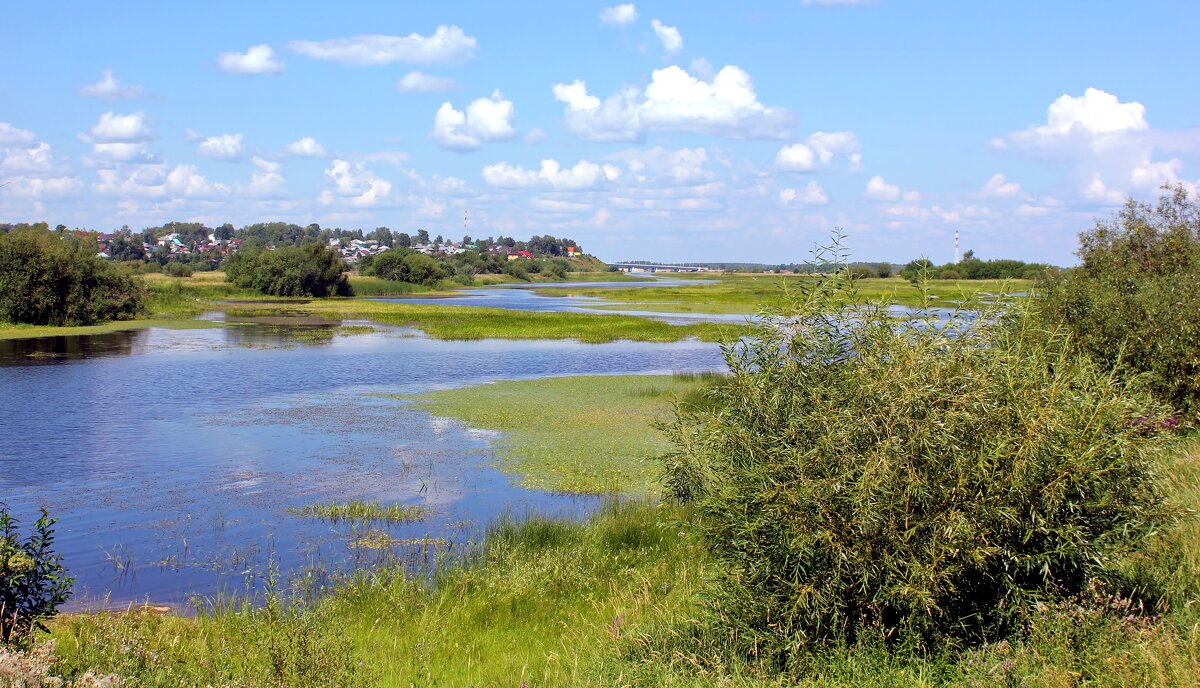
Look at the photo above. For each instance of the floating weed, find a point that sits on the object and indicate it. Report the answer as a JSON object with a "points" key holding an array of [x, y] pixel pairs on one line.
{"points": [[361, 511]]}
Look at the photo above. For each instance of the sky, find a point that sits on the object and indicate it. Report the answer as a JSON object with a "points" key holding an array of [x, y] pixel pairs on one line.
{"points": [[666, 131]]}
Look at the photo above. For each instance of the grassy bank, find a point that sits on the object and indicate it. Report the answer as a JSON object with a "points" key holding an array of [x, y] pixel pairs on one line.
{"points": [[31, 331], [459, 322], [748, 293], [572, 434], [613, 601]]}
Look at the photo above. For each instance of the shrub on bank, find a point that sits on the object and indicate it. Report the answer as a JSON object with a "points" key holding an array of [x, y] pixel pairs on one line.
{"points": [[1134, 302], [925, 484], [33, 582], [403, 265], [308, 270], [55, 278]]}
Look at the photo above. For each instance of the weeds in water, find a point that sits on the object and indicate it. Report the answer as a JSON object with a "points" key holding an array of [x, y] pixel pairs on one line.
{"points": [[360, 511]]}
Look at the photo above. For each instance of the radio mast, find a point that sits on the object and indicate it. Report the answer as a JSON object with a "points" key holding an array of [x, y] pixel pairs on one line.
{"points": [[957, 258]]}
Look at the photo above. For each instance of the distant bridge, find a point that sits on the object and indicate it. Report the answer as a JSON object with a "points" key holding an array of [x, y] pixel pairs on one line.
{"points": [[657, 267]]}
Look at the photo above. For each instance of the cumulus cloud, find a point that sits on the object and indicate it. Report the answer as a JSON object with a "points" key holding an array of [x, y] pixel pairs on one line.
{"points": [[619, 15], [878, 189], [221, 147], [110, 88], [354, 185], [583, 175], [675, 100], [1108, 144], [306, 147], [266, 181], [41, 187], [819, 151], [447, 44], [156, 181], [12, 136], [122, 152], [669, 36], [114, 128], [999, 187], [556, 205], [811, 194], [663, 166], [258, 59], [485, 119], [420, 82]]}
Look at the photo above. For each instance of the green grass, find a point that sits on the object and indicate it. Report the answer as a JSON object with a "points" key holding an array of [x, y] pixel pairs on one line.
{"points": [[748, 293], [360, 511], [461, 322], [610, 601], [9, 331], [572, 434]]}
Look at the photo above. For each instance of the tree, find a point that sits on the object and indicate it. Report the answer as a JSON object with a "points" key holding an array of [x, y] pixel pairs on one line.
{"points": [[422, 236], [225, 232], [308, 270], [55, 278], [403, 240], [403, 265]]}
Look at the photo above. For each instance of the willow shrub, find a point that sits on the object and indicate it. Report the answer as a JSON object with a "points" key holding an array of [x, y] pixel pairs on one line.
{"points": [[923, 482], [1134, 302], [307, 270]]}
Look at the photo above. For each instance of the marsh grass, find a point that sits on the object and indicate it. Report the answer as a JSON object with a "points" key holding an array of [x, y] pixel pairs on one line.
{"points": [[586, 434], [360, 511], [467, 323], [749, 293]]}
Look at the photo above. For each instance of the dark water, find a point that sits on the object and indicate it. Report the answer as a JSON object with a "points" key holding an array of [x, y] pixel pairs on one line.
{"points": [[171, 457]]}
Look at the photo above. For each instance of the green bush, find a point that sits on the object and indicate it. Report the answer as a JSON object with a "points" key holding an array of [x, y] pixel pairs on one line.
{"points": [[1135, 300], [308, 270], [32, 580], [403, 265], [178, 269], [55, 278], [860, 478]]}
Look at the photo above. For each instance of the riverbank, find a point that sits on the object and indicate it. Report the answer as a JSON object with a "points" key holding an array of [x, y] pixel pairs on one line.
{"points": [[613, 601]]}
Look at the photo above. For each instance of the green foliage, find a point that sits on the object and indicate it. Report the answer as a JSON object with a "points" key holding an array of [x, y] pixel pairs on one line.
{"points": [[858, 477], [32, 580], [308, 270], [403, 265], [178, 269], [1134, 300], [55, 278]]}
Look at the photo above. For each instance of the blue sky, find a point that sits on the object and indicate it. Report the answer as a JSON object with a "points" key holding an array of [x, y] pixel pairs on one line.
{"points": [[664, 130]]}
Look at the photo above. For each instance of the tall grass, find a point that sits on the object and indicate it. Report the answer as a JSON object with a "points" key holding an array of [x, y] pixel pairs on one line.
{"points": [[357, 510]]}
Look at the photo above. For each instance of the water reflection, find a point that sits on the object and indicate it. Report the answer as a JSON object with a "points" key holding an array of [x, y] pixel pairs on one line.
{"points": [[52, 349]]}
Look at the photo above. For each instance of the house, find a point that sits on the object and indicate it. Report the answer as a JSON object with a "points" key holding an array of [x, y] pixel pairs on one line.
{"points": [[520, 254], [570, 251]]}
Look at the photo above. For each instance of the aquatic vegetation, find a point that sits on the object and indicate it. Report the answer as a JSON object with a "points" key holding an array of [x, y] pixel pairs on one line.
{"points": [[357, 510], [590, 434]]}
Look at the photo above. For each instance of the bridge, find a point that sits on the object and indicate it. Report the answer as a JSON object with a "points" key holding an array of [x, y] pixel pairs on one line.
{"points": [[658, 267]]}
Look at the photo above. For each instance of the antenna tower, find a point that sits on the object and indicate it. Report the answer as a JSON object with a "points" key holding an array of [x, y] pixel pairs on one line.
{"points": [[957, 257]]}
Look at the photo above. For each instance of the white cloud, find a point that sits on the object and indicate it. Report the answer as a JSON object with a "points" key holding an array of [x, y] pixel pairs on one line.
{"points": [[674, 100], [584, 175], [110, 88], [879, 189], [672, 40], [1108, 145], [420, 82], [682, 166], [31, 157], [999, 186], [447, 44], [811, 194], [12, 136], [258, 59], [819, 151], [155, 181], [306, 147], [221, 147], [430, 209], [114, 128], [485, 119], [619, 15], [41, 187], [355, 185], [123, 152], [266, 181]]}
